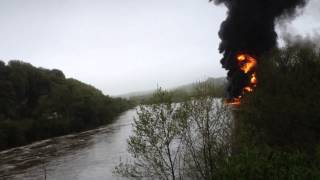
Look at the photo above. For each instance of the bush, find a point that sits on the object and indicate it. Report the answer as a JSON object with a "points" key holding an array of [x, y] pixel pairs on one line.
{"points": [[156, 141], [177, 141], [283, 111]]}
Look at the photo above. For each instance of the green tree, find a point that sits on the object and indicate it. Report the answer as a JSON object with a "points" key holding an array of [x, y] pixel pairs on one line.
{"points": [[156, 141], [179, 140], [208, 133]]}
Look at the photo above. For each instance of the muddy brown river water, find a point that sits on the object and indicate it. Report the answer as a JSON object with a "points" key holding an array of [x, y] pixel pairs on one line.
{"points": [[89, 155]]}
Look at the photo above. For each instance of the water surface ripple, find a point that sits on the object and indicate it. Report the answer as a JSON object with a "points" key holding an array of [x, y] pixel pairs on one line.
{"points": [[89, 155]]}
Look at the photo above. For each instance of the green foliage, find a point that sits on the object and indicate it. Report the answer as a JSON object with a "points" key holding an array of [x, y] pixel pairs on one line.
{"points": [[178, 140], [37, 103], [256, 163], [283, 111], [155, 144], [207, 135]]}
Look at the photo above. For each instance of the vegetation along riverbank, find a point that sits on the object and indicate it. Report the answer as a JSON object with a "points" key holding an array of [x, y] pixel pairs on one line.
{"points": [[37, 103]]}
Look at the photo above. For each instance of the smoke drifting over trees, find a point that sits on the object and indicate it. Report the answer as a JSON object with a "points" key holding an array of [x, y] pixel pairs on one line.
{"points": [[250, 28], [311, 40]]}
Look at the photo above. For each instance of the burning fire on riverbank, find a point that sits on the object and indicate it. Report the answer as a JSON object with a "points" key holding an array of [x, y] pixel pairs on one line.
{"points": [[247, 64], [247, 34]]}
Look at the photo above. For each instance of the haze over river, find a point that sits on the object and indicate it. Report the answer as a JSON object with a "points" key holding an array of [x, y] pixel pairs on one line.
{"points": [[82, 156]]}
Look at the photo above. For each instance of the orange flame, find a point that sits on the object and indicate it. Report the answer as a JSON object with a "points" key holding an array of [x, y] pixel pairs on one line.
{"points": [[248, 89], [253, 79], [235, 101], [247, 64]]}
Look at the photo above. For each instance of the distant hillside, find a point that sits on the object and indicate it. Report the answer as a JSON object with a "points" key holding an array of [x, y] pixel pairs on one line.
{"points": [[217, 82], [180, 92], [136, 93], [38, 103]]}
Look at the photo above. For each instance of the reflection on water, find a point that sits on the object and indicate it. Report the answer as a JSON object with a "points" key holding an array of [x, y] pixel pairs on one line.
{"points": [[88, 155]]}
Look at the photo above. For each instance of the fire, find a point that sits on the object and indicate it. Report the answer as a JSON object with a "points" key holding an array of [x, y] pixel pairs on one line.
{"points": [[253, 79], [235, 101], [248, 89], [247, 64]]}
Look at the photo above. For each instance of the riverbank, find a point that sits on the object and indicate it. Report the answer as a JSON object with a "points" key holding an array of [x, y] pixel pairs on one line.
{"points": [[87, 155]]}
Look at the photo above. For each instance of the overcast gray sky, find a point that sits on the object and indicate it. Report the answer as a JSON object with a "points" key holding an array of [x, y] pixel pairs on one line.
{"points": [[121, 46]]}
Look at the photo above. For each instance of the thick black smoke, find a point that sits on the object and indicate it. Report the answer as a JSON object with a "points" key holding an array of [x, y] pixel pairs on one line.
{"points": [[250, 28]]}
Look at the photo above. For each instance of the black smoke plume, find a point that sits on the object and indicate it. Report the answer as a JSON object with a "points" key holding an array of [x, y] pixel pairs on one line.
{"points": [[250, 28]]}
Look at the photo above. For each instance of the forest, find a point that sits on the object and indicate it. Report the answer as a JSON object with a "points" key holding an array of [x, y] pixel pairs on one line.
{"points": [[37, 103]]}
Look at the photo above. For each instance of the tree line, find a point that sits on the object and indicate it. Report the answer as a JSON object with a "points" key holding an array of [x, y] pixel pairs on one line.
{"points": [[37, 103], [216, 88]]}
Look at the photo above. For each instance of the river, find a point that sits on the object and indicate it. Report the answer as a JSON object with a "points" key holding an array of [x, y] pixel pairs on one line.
{"points": [[89, 155]]}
